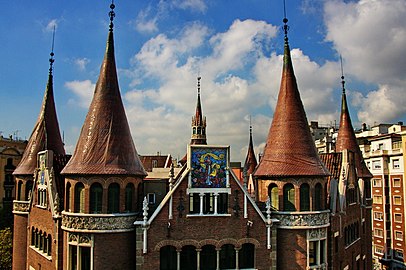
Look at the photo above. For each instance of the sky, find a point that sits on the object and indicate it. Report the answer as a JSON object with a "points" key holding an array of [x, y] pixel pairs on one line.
{"points": [[236, 46]]}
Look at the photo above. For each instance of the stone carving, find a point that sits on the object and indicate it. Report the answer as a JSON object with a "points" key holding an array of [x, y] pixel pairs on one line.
{"points": [[298, 219], [316, 234], [21, 206], [97, 223]]}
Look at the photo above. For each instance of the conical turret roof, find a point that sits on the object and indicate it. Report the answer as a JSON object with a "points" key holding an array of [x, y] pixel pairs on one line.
{"points": [[250, 160], [346, 139], [105, 145], [46, 134], [289, 149]]}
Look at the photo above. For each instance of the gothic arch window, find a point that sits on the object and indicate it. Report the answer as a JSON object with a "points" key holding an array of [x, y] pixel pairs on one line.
{"points": [[194, 130], [79, 198], [96, 198], [33, 236], [199, 130], [19, 189], [129, 193], [246, 256], [273, 193], [113, 204], [203, 131], [188, 258], [227, 257], [305, 197], [289, 197], [168, 258], [28, 189], [318, 197], [67, 197], [49, 240], [208, 257]]}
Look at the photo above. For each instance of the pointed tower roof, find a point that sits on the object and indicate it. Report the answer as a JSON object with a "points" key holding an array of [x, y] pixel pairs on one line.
{"points": [[198, 121], [346, 138], [105, 145], [289, 149], [250, 160], [46, 134]]}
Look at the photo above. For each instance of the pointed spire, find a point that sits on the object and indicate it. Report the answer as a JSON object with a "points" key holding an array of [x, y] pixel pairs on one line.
{"points": [[105, 145], [46, 134], [250, 160], [198, 121], [346, 139], [289, 149]]}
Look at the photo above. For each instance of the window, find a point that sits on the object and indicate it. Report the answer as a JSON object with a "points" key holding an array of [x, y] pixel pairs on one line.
{"points": [[168, 258], [208, 257], [151, 198], [377, 199], [396, 163], [79, 198], [227, 257], [376, 164], [42, 196], [129, 191], [154, 163], [208, 203], [273, 194], [318, 194], [377, 182], [246, 256], [380, 146], [398, 235], [19, 188], [397, 200], [28, 190], [41, 241], [398, 218], [378, 232], [378, 216], [397, 182], [379, 250], [96, 198], [113, 204], [80, 257], [188, 258], [289, 197], [316, 252], [304, 197], [67, 197]]}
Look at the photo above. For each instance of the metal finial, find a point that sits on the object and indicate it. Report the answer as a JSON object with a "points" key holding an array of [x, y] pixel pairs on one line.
{"points": [[285, 21], [250, 127], [51, 59], [342, 75], [198, 84], [112, 14]]}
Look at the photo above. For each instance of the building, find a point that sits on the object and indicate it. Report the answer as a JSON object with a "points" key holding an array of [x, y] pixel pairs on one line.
{"points": [[101, 209]]}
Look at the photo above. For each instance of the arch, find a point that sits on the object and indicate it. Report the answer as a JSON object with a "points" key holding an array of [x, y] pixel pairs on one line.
{"points": [[96, 198], [79, 206], [199, 130], [273, 193], [318, 197], [227, 257], [188, 257], [208, 257], [129, 194], [19, 189], [45, 243], [32, 236], [49, 245], [289, 197], [28, 190], [246, 256], [67, 197], [305, 197], [167, 258], [36, 238], [194, 130], [113, 199]]}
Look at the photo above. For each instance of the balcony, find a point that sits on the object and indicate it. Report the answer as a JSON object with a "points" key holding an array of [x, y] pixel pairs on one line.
{"points": [[98, 223], [21, 207], [303, 220]]}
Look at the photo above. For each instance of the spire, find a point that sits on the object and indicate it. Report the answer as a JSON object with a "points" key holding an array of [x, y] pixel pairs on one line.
{"points": [[46, 134], [346, 138], [289, 149], [198, 121], [250, 160], [105, 145]]}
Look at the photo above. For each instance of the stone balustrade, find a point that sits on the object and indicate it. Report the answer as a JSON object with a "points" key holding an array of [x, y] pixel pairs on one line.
{"points": [[303, 220], [21, 207]]}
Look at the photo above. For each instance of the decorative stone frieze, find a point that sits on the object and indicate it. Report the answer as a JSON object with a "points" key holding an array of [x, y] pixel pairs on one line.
{"points": [[98, 223], [302, 220], [21, 207]]}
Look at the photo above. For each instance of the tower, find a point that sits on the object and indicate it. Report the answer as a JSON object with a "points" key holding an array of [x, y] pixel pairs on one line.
{"points": [[198, 121], [36, 196], [292, 175], [249, 166], [102, 180]]}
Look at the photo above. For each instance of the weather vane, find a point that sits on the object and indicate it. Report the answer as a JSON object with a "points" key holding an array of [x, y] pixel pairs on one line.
{"points": [[51, 59], [112, 14]]}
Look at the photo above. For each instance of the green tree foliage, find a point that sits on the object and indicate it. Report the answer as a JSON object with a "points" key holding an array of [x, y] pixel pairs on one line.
{"points": [[6, 248]]}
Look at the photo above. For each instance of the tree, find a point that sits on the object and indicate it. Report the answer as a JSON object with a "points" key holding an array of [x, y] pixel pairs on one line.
{"points": [[6, 248]]}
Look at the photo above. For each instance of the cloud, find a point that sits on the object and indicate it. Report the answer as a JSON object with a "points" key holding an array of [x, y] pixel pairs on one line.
{"points": [[193, 5], [372, 39], [51, 25], [144, 23], [83, 91], [81, 63]]}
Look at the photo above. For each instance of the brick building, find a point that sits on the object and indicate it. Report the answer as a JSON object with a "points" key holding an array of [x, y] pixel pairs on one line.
{"points": [[93, 211]]}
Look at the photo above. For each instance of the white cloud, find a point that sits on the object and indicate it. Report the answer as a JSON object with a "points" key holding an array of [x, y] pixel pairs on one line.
{"points": [[144, 23], [193, 5], [51, 25], [81, 63], [83, 91]]}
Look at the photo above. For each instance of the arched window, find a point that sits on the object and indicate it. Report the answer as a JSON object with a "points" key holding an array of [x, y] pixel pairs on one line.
{"points": [[113, 205], [318, 197], [203, 131], [19, 188], [79, 198], [194, 130], [305, 197], [67, 197], [168, 258], [36, 238], [246, 256], [28, 189], [41, 240], [49, 245], [289, 197], [129, 191], [273, 194], [45, 243], [227, 257], [208, 257], [32, 236], [96, 197], [199, 130], [188, 258]]}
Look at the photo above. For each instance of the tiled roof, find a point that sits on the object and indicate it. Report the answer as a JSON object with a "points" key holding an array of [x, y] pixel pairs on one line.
{"points": [[289, 149], [45, 136], [105, 145]]}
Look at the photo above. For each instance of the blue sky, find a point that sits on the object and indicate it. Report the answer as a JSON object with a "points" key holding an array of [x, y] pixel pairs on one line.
{"points": [[236, 46]]}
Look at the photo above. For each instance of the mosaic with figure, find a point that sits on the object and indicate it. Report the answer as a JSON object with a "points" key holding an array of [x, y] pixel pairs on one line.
{"points": [[208, 167]]}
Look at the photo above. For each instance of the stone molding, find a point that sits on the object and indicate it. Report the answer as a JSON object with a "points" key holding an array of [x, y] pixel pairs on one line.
{"points": [[302, 220], [98, 223], [21, 207]]}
